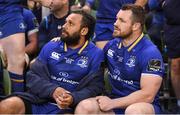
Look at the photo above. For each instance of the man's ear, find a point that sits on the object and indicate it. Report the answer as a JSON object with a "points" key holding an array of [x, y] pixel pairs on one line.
{"points": [[136, 26], [84, 31]]}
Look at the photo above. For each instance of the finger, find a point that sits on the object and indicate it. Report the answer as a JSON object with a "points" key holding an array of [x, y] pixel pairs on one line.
{"points": [[98, 97], [60, 98]]}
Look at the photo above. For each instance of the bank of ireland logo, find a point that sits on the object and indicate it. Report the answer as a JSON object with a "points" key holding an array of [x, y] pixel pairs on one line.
{"points": [[82, 62], [131, 61], [63, 74]]}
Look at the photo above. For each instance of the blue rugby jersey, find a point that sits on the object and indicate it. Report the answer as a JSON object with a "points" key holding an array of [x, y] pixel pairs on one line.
{"points": [[127, 64], [68, 66], [108, 9], [31, 23], [7, 6]]}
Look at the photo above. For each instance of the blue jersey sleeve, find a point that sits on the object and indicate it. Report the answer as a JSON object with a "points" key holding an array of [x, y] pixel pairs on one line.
{"points": [[43, 33], [151, 62], [30, 21], [45, 52], [97, 60], [90, 2]]}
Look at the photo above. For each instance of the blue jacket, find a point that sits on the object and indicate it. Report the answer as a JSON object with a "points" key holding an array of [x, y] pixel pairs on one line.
{"points": [[40, 89]]}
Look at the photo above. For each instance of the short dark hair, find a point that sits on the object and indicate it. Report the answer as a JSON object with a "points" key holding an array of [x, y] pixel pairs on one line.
{"points": [[138, 13], [87, 21]]}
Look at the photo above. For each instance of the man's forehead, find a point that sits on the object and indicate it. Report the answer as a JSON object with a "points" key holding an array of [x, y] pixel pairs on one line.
{"points": [[124, 12], [74, 16]]}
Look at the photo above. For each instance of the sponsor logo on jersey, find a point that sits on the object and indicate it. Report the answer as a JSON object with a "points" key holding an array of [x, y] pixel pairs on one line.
{"points": [[55, 55], [110, 53], [120, 59], [117, 77], [154, 65], [68, 60], [64, 74]]}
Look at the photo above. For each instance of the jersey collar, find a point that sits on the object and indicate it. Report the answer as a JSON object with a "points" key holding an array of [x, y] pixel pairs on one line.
{"points": [[134, 44], [82, 48]]}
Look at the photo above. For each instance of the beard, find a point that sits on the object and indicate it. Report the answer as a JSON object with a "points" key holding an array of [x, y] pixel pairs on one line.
{"points": [[123, 35], [71, 40]]}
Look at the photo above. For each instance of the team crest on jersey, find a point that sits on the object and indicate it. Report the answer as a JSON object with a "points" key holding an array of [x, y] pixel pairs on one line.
{"points": [[154, 65], [131, 61], [110, 53], [83, 62], [22, 26], [55, 55]]}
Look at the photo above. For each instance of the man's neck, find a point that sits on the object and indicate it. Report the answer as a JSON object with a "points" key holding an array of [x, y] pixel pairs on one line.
{"points": [[130, 39], [61, 13], [80, 44]]}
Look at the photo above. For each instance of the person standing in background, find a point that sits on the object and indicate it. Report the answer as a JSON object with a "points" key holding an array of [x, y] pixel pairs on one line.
{"points": [[172, 39]]}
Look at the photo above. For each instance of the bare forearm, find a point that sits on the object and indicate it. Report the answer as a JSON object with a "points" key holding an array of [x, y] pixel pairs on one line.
{"points": [[141, 2], [31, 49], [138, 96]]}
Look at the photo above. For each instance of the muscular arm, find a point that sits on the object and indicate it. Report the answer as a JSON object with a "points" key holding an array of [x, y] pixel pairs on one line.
{"points": [[31, 48], [141, 2], [149, 87]]}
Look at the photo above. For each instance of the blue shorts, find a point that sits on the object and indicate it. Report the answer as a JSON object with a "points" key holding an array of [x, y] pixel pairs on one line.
{"points": [[172, 39], [103, 32], [49, 108], [157, 110], [11, 24]]}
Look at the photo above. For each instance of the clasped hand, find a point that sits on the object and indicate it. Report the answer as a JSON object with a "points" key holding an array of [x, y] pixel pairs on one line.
{"points": [[62, 97]]}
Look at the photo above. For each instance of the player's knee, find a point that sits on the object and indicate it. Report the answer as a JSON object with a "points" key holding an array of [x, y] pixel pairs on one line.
{"points": [[140, 108], [86, 107], [12, 105]]}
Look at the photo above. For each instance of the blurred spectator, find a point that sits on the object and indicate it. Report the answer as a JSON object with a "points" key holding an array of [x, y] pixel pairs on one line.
{"points": [[51, 25], [36, 9], [172, 39], [155, 28]]}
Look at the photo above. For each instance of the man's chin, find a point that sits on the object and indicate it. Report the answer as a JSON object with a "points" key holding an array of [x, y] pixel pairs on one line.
{"points": [[115, 35]]}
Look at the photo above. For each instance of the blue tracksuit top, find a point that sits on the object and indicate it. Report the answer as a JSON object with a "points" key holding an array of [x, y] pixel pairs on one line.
{"points": [[7, 6]]}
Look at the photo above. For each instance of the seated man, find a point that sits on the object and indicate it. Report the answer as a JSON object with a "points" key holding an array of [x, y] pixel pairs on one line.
{"points": [[135, 69], [64, 73]]}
